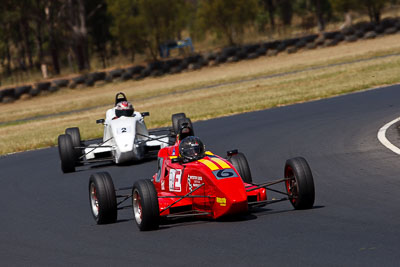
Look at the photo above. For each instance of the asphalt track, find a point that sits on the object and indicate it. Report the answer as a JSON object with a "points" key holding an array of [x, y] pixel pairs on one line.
{"points": [[46, 221]]}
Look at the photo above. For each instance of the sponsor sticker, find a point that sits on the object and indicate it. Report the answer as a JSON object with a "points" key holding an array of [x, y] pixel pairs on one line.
{"points": [[162, 185], [221, 201], [225, 173], [175, 180], [194, 181]]}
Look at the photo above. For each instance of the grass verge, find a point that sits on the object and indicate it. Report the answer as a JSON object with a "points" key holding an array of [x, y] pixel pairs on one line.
{"points": [[171, 94]]}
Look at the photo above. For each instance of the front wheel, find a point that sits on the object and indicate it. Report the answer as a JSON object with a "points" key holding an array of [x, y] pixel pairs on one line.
{"points": [[299, 183], [102, 199], [67, 153], [240, 163], [76, 141], [145, 205]]}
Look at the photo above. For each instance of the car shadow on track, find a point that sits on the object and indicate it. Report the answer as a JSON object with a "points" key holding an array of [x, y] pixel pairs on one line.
{"points": [[266, 212], [251, 215], [105, 164]]}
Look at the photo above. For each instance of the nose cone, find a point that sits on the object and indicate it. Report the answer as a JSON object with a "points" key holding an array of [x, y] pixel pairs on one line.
{"points": [[126, 146], [231, 198]]}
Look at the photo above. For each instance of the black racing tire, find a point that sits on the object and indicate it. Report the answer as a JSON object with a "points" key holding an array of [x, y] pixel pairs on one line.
{"points": [[61, 83], [67, 153], [300, 187], [102, 199], [19, 91], [175, 118], [126, 76], [240, 163], [44, 86], [76, 141], [145, 205], [79, 79], [34, 91]]}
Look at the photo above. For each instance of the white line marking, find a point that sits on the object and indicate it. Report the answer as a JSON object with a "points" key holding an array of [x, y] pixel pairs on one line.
{"points": [[382, 136]]}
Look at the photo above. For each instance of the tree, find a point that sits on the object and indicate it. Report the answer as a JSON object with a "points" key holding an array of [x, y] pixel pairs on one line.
{"points": [[374, 8], [286, 11], [269, 7], [75, 18], [127, 26], [98, 24], [140, 24], [227, 17]]}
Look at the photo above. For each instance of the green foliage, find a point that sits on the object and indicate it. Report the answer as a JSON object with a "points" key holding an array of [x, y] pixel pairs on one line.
{"points": [[372, 7], [227, 17], [53, 31], [344, 5], [128, 27], [140, 24]]}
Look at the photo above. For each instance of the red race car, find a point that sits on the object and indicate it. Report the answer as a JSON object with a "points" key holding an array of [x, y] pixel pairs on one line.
{"points": [[193, 182]]}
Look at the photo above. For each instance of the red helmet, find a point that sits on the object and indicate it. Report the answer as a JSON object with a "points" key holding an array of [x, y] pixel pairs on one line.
{"points": [[124, 108]]}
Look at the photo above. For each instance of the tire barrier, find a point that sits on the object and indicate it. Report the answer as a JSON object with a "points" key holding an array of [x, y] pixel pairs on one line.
{"points": [[80, 79], [76, 81], [34, 92], [60, 83], [7, 95], [358, 31], [22, 90], [126, 76], [391, 30], [370, 35], [116, 73], [311, 46], [351, 38], [97, 76], [44, 86]]}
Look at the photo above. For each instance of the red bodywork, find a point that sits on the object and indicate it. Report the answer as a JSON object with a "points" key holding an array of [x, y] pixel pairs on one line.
{"points": [[219, 189]]}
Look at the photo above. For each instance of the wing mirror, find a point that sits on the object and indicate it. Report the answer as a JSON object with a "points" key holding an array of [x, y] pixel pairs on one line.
{"points": [[144, 114], [230, 153], [101, 121]]}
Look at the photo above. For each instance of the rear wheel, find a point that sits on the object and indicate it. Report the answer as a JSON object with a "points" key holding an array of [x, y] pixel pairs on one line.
{"points": [[175, 119], [145, 205], [240, 163], [67, 153], [76, 141], [300, 183], [102, 199]]}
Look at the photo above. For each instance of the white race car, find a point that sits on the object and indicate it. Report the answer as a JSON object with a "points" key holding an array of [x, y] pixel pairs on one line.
{"points": [[125, 139]]}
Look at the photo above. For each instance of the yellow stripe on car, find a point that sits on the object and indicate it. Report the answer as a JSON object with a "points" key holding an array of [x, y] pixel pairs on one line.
{"points": [[209, 164], [221, 163]]}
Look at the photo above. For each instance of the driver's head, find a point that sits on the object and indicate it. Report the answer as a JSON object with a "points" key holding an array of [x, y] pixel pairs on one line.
{"points": [[191, 148], [124, 108]]}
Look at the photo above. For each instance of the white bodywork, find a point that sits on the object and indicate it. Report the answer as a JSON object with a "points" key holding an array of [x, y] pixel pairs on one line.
{"points": [[127, 138]]}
